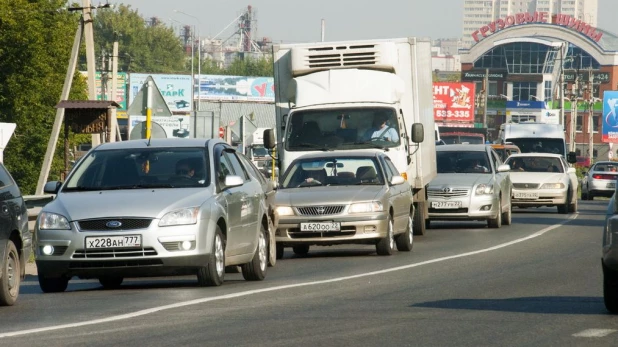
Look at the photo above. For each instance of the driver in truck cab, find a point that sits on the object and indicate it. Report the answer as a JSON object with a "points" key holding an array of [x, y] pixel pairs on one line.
{"points": [[381, 130]]}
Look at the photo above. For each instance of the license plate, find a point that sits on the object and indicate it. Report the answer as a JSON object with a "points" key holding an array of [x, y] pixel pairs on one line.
{"points": [[114, 241], [611, 185], [320, 226], [446, 204], [526, 195]]}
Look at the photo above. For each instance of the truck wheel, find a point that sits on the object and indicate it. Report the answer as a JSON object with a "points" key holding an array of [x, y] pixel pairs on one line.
{"points": [[10, 276], [419, 225], [610, 289]]}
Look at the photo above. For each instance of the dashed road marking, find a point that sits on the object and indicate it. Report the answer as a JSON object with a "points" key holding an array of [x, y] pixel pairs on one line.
{"points": [[595, 333]]}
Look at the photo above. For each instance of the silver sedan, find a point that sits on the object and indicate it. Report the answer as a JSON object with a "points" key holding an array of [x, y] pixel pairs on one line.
{"points": [[151, 208], [472, 184], [336, 198], [600, 180]]}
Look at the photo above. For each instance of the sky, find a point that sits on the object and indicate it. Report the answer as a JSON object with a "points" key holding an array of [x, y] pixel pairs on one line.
{"points": [[287, 21]]}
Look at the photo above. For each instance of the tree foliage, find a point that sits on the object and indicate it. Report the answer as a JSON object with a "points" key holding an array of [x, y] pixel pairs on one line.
{"points": [[35, 45]]}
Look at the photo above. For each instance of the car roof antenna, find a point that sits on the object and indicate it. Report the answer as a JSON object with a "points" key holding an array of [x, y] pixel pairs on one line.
{"points": [[149, 139]]}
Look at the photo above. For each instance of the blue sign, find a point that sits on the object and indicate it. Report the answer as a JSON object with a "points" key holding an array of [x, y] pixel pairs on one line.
{"points": [[610, 116], [526, 104]]}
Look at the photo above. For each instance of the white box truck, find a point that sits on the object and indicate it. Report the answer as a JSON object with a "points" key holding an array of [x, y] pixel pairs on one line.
{"points": [[533, 137], [332, 95]]}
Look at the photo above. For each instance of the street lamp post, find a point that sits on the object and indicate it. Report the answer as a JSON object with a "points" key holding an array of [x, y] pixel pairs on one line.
{"points": [[199, 59]]}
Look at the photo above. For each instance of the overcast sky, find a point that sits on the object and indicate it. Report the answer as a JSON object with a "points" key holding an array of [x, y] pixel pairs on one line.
{"points": [[300, 20]]}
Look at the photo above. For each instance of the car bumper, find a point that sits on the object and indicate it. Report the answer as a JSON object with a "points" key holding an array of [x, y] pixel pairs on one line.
{"points": [[546, 197], [478, 208], [602, 187], [356, 229], [160, 252]]}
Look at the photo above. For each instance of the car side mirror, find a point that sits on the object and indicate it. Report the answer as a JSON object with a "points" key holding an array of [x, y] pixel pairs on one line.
{"points": [[584, 173], [269, 138], [571, 170], [572, 158], [52, 187], [284, 120], [233, 181], [418, 133], [504, 168], [397, 180]]}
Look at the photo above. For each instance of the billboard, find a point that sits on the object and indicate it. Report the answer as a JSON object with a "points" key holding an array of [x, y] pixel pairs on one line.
{"points": [[453, 102], [235, 88], [121, 87], [162, 126], [175, 89], [609, 132]]}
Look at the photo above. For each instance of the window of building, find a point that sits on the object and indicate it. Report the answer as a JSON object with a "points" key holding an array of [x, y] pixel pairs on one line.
{"points": [[548, 90], [524, 90]]}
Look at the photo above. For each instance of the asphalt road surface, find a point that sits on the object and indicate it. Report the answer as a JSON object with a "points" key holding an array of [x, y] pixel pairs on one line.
{"points": [[537, 282]]}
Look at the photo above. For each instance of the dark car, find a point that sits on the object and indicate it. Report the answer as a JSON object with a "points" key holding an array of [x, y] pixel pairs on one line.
{"points": [[15, 238]]}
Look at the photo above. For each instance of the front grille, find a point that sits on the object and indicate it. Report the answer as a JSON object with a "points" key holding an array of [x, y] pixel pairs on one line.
{"points": [[320, 210], [448, 193], [525, 185], [450, 210], [114, 253], [114, 263], [295, 233], [126, 224]]}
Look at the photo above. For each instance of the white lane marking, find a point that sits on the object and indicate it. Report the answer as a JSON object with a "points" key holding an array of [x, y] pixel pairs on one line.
{"points": [[595, 333], [265, 290]]}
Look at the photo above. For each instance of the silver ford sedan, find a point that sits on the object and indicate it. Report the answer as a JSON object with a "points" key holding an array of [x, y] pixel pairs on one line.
{"points": [[338, 198], [472, 184], [151, 208]]}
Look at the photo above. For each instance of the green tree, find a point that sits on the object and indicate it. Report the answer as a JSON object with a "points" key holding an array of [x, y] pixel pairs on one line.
{"points": [[36, 38], [143, 46]]}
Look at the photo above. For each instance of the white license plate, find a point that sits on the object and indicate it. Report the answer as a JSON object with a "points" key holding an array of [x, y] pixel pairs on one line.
{"points": [[526, 195], [114, 241], [320, 226], [446, 204], [611, 185]]}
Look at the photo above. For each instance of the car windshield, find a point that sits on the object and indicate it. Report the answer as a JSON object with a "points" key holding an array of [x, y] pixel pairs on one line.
{"points": [[609, 167], [139, 168], [342, 128], [333, 172], [463, 162], [535, 164]]}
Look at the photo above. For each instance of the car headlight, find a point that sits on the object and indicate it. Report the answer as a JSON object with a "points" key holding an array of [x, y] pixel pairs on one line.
{"points": [[552, 186], [284, 211], [183, 216], [53, 221], [484, 189], [363, 207]]}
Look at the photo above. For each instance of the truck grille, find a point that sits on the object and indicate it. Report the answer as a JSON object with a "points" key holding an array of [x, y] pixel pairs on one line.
{"points": [[320, 210]]}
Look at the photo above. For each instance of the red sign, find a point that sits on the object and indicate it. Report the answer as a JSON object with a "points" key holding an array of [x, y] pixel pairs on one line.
{"points": [[537, 17], [221, 132], [453, 102]]}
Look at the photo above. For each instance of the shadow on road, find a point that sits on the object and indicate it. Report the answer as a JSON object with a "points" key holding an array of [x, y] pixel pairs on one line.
{"points": [[580, 305]]}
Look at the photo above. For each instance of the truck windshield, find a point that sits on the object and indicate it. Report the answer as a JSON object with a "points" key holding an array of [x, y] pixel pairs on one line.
{"points": [[342, 128], [259, 152], [539, 145]]}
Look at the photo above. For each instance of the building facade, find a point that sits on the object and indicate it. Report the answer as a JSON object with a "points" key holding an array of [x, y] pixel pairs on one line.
{"points": [[477, 13]]}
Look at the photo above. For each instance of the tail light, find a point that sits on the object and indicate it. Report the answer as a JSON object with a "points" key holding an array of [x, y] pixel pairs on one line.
{"points": [[604, 177]]}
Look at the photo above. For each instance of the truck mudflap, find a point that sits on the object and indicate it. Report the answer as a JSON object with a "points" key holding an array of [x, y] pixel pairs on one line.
{"points": [[421, 212]]}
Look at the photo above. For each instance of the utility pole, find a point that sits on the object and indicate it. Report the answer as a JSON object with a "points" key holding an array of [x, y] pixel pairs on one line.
{"points": [[485, 92], [562, 86], [115, 129], [574, 96], [590, 114]]}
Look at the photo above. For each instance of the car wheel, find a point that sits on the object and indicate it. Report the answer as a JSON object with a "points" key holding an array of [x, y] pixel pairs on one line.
{"points": [[496, 222], [419, 219], [52, 284], [610, 289], [584, 194], [590, 196], [405, 241], [507, 217], [564, 208], [255, 270], [272, 248], [386, 245], [111, 282], [10, 275], [573, 207], [213, 273], [280, 250], [301, 249], [427, 224]]}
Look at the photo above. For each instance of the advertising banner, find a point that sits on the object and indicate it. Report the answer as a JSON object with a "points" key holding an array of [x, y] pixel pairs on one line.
{"points": [[162, 127], [609, 132], [453, 102], [175, 89], [121, 87], [236, 88]]}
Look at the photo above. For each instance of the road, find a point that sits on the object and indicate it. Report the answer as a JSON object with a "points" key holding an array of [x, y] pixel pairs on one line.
{"points": [[537, 282]]}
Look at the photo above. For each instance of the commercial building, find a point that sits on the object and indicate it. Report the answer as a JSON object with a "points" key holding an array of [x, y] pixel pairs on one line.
{"points": [[517, 63], [480, 12]]}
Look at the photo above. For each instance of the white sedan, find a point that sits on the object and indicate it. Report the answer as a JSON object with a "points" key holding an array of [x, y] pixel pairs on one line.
{"points": [[543, 179]]}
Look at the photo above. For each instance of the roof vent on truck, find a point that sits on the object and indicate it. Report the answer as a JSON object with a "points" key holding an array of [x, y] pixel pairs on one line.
{"points": [[323, 56]]}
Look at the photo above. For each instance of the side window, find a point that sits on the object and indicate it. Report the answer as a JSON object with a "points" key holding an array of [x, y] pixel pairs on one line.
{"points": [[239, 170], [5, 178], [252, 169], [496, 159], [224, 169], [390, 169]]}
